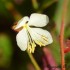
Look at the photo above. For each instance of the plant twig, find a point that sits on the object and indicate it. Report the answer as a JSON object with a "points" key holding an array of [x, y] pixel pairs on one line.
{"points": [[62, 46], [33, 61], [62, 35]]}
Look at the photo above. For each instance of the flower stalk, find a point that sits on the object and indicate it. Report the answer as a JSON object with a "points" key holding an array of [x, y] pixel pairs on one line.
{"points": [[17, 16], [33, 61]]}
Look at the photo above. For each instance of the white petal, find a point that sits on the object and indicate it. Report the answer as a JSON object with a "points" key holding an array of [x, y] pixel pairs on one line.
{"points": [[22, 22], [22, 39], [40, 35], [38, 20]]}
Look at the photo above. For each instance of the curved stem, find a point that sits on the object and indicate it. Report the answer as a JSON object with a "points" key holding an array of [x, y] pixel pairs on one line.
{"points": [[33, 61], [62, 46], [62, 35]]}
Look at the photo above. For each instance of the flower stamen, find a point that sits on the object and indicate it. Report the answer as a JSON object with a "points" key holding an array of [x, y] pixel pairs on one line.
{"points": [[31, 43]]}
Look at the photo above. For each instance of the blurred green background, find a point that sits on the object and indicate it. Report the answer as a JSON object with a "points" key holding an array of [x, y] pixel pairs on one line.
{"points": [[11, 57]]}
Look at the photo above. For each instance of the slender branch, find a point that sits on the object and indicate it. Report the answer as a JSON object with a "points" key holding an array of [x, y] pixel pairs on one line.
{"points": [[33, 61], [62, 35], [62, 46]]}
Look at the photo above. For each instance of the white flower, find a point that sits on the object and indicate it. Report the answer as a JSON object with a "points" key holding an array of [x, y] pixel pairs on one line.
{"points": [[28, 37]]}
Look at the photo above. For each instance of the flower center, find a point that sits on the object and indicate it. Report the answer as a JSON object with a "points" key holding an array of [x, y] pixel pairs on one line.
{"points": [[31, 43], [25, 26]]}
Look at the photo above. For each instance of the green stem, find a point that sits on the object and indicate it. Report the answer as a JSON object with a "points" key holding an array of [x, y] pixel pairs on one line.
{"points": [[35, 4], [33, 61]]}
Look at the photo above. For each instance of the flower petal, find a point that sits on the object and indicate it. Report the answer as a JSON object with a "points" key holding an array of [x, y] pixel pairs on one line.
{"points": [[22, 22], [40, 36], [22, 39], [38, 20]]}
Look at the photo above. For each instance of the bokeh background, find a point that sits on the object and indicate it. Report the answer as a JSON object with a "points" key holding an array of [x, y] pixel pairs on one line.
{"points": [[11, 57]]}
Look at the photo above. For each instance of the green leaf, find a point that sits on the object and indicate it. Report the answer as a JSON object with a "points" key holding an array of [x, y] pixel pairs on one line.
{"points": [[55, 49], [3, 10], [45, 4], [67, 31], [58, 15], [5, 50], [67, 59]]}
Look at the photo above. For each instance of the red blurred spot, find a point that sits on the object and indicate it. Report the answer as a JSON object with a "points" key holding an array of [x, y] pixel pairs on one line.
{"points": [[67, 49], [18, 1], [68, 43]]}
